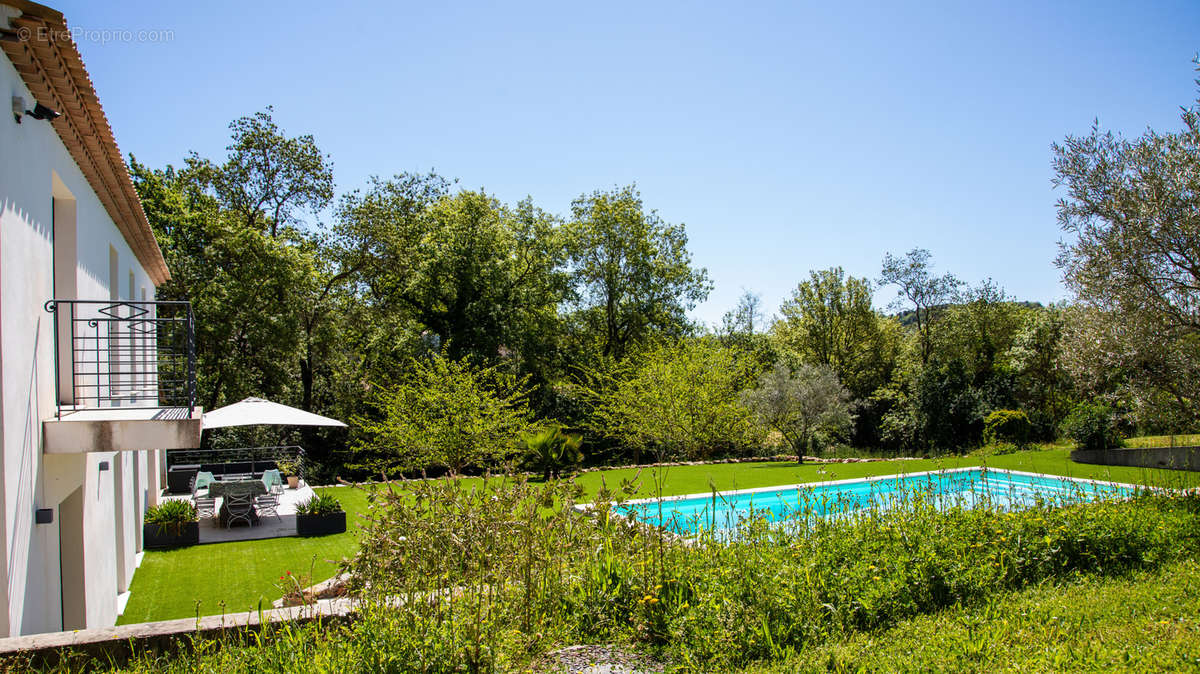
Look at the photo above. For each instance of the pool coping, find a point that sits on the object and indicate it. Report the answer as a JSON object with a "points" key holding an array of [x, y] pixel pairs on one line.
{"points": [[586, 507]]}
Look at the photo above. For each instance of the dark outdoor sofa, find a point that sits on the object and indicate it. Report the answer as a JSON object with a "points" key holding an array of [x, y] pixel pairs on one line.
{"points": [[180, 476]]}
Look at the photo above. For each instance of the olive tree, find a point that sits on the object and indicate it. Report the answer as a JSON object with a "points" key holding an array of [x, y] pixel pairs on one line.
{"points": [[1132, 254], [802, 404]]}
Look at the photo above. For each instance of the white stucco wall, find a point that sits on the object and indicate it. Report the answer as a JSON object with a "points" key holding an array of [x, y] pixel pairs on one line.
{"points": [[31, 154]]}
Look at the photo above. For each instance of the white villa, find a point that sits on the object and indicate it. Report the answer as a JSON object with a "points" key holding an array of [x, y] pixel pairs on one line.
{"points": [[96, 378]]}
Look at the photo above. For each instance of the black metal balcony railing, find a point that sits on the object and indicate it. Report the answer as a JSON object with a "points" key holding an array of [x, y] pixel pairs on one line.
{"points": [[114, 353], [281, 455]]}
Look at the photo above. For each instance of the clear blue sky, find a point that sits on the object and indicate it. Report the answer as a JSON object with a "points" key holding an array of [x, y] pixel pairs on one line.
{"points": [[788, 137]]}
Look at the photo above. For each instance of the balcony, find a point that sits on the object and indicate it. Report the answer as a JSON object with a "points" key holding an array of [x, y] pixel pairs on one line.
{"points": [[125, 377]]}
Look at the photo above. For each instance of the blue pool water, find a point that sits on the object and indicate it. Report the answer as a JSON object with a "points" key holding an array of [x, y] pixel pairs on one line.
{"points": [[967, 488]]}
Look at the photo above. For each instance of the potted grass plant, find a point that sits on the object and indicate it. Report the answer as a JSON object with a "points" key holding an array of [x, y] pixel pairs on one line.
{"points": [[320, 515], [171, 524]]}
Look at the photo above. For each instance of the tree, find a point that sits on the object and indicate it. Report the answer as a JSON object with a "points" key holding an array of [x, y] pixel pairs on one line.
{"points": [[677, 399], [1132, 214], [979, 330], [267, 175], [481, 276], [828, 320], [745, 319], [920, 290], [1092, 426], [240, 282], [948, 411], [1043, 385], [1130, 363], [802, 404], [444, 412], [258, 284], [630, 271]]}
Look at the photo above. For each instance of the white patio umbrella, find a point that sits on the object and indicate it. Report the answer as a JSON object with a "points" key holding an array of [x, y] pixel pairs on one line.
{"points": [[256, 411]]}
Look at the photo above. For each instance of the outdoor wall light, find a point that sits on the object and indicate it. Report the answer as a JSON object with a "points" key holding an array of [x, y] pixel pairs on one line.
{"points": [[42, 112], [43, 516], [39, 111], [103, 466]]}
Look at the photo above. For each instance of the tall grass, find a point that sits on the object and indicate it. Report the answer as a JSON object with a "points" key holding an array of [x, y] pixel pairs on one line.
{"points": [[463, 578], [1163, 441]]}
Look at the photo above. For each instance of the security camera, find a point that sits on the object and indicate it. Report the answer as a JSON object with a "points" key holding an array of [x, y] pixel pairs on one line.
{"points": [[18, 108]]}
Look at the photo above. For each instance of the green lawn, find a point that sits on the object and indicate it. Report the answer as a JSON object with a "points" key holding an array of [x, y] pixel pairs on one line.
{"points": [[1146, 622], [231, 577]]}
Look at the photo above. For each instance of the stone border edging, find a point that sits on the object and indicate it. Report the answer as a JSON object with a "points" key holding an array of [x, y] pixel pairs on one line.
{"points": [[122, 642], [778, 458]]}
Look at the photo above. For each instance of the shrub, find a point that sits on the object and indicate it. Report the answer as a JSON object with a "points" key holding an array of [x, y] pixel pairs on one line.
{"points": [[1092, 426], [320, 504], [176, 511], [1007, 426], [998, 449], [680, 400], [445, 412]]}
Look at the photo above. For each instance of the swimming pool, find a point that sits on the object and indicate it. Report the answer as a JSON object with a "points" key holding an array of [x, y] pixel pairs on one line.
{"points": [[960, 487]]}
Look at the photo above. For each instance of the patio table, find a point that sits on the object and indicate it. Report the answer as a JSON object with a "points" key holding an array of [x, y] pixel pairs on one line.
{"points": [[223, 487], [240, 487]]}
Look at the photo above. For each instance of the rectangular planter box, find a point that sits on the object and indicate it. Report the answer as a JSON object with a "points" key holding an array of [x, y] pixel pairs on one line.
{"points": [[156, 536], [321, 525]]}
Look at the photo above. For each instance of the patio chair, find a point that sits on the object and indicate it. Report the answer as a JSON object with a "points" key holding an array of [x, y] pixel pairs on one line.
{"points": [[239, 507], [273, 481], [267, 504], [206, 506], [202, 481]]}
